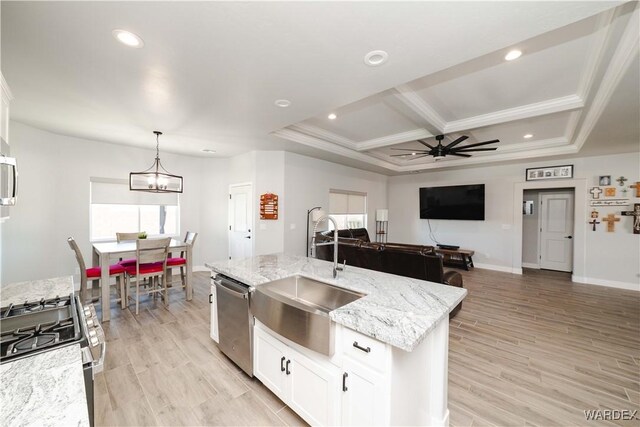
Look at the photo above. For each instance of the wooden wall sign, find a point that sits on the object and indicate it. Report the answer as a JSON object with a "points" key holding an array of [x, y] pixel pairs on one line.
{"points": [[610, 202], [269, 206]]}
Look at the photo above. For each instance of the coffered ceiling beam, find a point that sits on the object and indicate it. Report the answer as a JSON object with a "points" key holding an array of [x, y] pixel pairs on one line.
{"points": [[623, 57], [323, 134], [557, 105], [432, 120], [394, 139]]}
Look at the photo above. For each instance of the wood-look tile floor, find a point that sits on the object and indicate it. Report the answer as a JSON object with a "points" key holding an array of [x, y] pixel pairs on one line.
{"points": [[524, 350]]}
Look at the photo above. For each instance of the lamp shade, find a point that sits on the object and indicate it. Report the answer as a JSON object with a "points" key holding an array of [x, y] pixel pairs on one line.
{"points": [[382, 215], [316, 215]]}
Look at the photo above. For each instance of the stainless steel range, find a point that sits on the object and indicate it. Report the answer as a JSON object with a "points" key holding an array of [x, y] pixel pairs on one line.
{"points": [[38, 326]]}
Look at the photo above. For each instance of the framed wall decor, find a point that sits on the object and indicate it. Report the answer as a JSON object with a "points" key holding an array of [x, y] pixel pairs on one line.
{"points": [[549, 172]]}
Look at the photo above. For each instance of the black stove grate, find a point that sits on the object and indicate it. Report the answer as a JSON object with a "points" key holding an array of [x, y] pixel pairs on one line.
{"points": [[35, 326]]}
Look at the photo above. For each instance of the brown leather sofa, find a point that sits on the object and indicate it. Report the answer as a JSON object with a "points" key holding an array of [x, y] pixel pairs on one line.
{"points": [[415, 261]]}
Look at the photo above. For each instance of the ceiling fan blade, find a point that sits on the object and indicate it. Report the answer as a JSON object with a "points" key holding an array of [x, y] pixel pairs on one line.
{"points": [[464, 150], [431, 147], [456, 142], [453, 153], [409, 149], [418, 156], [478, 144], [399, 155]]}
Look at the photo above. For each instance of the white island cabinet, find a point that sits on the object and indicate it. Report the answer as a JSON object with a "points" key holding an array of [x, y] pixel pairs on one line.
{"points": [[213, 303], [390, 348]]}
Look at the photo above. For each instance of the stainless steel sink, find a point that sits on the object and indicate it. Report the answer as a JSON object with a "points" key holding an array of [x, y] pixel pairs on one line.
{"points": [[298, 309]]}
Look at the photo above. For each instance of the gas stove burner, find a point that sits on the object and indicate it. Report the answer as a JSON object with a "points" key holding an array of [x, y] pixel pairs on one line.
{"points": [[34, 306], [38, 325]]}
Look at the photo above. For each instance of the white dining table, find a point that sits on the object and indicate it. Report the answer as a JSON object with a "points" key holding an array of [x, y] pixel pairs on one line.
{"points": [[104, 253]]}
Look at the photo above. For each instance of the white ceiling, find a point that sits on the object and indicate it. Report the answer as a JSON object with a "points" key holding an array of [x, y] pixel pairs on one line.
{"points": [[210, 71]]}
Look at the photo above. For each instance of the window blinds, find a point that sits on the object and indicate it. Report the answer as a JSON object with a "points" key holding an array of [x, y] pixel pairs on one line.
{"points": [[346, 202], [116, 192]]}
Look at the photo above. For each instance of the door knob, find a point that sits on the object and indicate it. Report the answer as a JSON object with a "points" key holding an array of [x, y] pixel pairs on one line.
{"points": [[247, 237], [568, 237]]}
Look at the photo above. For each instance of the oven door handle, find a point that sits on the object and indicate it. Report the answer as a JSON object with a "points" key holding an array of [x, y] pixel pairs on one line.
{"points": [[225, 287]]}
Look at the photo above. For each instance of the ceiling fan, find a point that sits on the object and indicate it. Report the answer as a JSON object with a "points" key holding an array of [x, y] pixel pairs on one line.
{"points": [[440, 150]]}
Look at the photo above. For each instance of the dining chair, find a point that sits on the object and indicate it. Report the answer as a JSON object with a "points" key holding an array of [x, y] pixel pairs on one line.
{"points": [[151, 263], [94, 274], [181, 261], [126, 237]]}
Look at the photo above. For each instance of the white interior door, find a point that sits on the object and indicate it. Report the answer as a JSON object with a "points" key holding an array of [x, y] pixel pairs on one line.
{"points": [[556, 231], [240, 221]]}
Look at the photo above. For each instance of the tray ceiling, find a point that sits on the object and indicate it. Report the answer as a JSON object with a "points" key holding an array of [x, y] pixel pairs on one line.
{"points": [[209, 73]]}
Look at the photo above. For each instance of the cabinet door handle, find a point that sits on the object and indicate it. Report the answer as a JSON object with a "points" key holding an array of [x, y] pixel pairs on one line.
{"points": [[210, 298], [287, 368], [344, 381], [282, 364], [366, 350]]}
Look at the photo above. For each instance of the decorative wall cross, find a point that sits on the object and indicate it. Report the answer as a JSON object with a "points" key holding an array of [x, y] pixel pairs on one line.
{"points": [[594, 214], [595, 192], [622, 180], [635, 213], [594, 222], [637, 187], [611, 220]]}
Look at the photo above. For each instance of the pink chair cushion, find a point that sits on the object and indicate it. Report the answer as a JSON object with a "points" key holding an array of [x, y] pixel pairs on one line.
{"points": [[127, 262], [176, 261], [113, 269], [155, 267]]}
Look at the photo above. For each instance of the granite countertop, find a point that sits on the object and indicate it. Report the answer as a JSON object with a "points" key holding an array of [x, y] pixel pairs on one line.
{"points": [[34, 290], [44, 390], [47, 388], [396, 310]]}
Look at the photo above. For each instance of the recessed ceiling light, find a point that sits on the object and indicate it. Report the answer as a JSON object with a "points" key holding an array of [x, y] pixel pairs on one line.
{"points": [[413, 154], [128, 38], [282, 103], [376, 58], [332, 116], [514, 54], [208, 150], [527, 136]]}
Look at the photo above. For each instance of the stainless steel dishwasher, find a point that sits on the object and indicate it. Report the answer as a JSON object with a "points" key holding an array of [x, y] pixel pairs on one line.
{"points": [[235, 325]]}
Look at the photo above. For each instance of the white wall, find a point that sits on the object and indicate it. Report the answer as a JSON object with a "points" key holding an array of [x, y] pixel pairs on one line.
{"points": [[307, 184], [54, 200], [611, 258]]}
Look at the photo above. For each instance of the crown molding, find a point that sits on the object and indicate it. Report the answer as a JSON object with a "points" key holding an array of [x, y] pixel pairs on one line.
{"points": [[556, 105], [324, 135], [478, 160], [314, 142], [394, 139], [415, 102], [626, 51]]}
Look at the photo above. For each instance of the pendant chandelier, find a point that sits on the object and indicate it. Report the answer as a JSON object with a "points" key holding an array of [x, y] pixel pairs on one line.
{"points": [[156, 179]]}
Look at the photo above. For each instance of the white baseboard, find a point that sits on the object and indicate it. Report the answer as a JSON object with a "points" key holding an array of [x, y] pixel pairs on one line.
{"points": [[493, 267], [609, 283], [531, 265]]}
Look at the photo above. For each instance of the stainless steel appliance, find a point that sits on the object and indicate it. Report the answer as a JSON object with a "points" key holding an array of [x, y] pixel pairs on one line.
{"points": [[8, 179], [35, 327], [235, 323]]}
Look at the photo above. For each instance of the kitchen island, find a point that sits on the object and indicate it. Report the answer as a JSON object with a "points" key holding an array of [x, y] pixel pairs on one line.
{"points": [[390, 361], [46, 389]]}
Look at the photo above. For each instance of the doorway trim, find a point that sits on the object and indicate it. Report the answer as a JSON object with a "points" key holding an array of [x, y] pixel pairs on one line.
{"points": [[253, 222], [579, 216]]}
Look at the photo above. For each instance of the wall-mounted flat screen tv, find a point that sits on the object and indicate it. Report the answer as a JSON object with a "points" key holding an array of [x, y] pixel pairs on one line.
{"points": [[465, 202]]}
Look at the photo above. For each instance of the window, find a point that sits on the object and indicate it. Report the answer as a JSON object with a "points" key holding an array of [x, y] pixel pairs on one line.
{"points": [[348, 209], [114, 208]]}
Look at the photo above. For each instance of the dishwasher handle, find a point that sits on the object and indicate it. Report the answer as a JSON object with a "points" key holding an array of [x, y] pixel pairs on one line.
{"points": [[232, 290]]}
